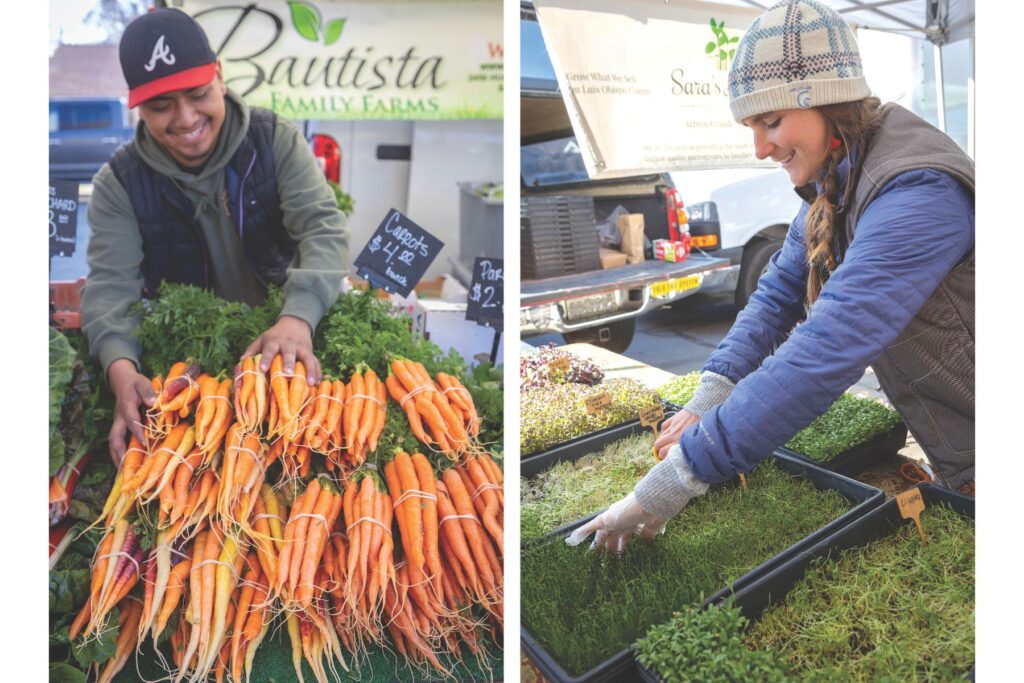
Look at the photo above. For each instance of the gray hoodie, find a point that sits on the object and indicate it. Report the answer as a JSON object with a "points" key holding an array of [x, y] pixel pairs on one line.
{"points": [[311, 218]]}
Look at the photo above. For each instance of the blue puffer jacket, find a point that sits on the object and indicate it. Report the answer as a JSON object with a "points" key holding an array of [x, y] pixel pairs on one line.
{"points": [[914, 232]]}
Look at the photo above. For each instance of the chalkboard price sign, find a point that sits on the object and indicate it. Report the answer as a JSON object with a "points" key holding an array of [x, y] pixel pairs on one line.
{"points": [[486, 292], [398, 254], [63, 201]]}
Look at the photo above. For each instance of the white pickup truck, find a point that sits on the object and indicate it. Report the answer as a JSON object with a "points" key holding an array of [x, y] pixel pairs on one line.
{"points": [[753, 215], [588, 304]]}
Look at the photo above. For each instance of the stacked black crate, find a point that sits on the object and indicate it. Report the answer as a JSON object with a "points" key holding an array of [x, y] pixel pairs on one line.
{"points": [[558, 236]]}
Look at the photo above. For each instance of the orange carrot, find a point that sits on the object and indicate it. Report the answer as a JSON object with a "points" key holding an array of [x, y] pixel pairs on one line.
{"points": [[295, 529], [432, 418], [452, 422], [366, 491], [298, 388], [219, 424], [320, 509], [353, 409], [245, 393], [405, 374], [175, 586], [484, 499], [370, 408], [279, 385], [182, 476], [414, 518], [313, 431], [132, 458], [400, 395], [464, 506], [315, 549], [428, 484], [334, 412]]}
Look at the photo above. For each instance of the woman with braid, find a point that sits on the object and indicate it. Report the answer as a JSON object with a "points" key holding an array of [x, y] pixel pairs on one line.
{"points": [[877, 269]]}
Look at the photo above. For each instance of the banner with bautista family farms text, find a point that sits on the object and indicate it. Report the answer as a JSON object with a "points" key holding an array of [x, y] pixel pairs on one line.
{"points": [[386, 59], [645, 82]]}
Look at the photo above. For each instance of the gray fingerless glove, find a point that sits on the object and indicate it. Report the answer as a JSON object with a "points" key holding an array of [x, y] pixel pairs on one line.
{"points": [[712, 391], [669, 486]]}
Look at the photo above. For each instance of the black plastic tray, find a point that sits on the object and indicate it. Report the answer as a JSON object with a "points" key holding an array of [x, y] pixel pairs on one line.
{"points": [[755, 596], [758, 594], [622, 666], [576, 448], [857, 459]]}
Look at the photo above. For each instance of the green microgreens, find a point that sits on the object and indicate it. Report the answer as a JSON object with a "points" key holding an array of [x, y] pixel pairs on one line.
{"points": [[572, 490], [849, 422], [706, 645], [893, 610], [583, 607], [557, 412]]}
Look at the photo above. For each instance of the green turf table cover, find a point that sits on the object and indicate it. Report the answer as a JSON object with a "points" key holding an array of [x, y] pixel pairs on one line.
{"points": [[273, 664]]}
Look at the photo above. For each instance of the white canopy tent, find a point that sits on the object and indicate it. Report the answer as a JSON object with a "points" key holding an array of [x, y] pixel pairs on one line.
{"points": [[638, 109]]}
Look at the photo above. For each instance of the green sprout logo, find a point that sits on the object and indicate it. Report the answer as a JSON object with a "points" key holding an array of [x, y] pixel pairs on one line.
{"points": [[307, 21], [724, 54]]}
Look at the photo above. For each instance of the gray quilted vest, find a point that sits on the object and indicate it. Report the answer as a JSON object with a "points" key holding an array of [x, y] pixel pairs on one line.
{"points": [[928, 372]]}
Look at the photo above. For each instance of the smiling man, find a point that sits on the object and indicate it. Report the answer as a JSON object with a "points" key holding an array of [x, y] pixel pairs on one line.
{"points": [[210, 193]]}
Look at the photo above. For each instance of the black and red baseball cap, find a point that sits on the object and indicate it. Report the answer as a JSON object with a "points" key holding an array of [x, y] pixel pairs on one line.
{"points": [[165, 50]]}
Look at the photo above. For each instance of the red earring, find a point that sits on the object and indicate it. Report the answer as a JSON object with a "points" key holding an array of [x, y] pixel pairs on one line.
{"points": [[835, 142]]}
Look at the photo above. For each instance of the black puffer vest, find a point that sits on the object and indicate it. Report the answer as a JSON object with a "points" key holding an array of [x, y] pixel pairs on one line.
{"points": [[928, 372], [172, 243]]}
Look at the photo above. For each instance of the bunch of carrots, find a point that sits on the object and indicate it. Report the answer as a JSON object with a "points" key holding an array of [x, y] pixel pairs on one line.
{"points": [[439, 413], [356, 555]]}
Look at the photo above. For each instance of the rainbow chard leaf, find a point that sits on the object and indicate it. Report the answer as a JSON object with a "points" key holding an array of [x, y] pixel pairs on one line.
{"points": [[306, 19], [333, 31]]}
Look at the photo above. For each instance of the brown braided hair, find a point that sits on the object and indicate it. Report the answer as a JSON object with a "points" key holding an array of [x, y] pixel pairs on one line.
{"points": [[853, 123]]}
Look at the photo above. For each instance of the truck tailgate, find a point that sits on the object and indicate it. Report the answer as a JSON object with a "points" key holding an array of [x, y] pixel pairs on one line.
{"points": [[536, 292]]}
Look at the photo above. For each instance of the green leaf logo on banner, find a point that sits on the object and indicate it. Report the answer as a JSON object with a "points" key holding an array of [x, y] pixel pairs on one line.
{"points": [[717, 48], [333, 31], [306, 19]]}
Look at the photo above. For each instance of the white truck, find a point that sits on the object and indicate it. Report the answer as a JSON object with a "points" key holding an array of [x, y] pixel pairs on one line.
{"points": [[753, 215], [589, 304]]}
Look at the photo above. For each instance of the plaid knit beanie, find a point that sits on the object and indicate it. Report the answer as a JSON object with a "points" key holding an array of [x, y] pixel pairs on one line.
{"points": [[798, 54]]}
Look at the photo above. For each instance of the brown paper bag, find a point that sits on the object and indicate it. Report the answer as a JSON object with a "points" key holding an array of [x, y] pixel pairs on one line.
{"points": [[632, 228]]}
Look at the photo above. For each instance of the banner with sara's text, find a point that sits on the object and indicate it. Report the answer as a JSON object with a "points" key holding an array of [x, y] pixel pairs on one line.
{"points": [[380, 59], [645, 82]]}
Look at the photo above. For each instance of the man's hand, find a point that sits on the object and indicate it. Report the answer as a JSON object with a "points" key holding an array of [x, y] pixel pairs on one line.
{"points": [[293, 339], [671, 430], [131, 389], [614, 527]]}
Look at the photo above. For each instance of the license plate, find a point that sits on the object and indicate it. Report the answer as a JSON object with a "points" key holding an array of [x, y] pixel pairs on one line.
{"points": [[679, 284], [585, 307]]}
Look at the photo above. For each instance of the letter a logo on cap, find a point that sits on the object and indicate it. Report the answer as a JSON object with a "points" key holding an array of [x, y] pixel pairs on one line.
{"points": [[160, 52]]}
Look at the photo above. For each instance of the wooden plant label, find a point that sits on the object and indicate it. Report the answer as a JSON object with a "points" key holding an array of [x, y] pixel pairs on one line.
{"points": [[598, 403], [560, 363], [743, 481], [652, 415], [911, 506]]}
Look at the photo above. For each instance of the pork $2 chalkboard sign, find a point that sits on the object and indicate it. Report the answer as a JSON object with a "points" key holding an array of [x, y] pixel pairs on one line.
{"points": [[485, 301]]}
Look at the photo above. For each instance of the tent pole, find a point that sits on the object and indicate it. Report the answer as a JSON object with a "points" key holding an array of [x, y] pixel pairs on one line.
{"points": [[940, 103], [970, 104]]}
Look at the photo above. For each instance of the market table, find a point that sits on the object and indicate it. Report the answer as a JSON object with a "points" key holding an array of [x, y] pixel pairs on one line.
{"points": [[616, 365]]}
